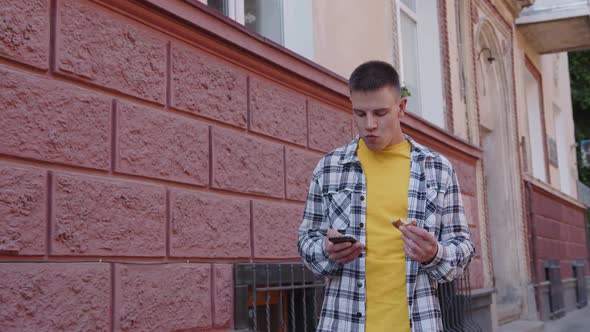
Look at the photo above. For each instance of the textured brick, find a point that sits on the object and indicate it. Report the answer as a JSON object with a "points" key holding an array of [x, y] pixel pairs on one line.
{"points": [[467, 175], [579, 235], [110, 50], [569, 232], [48, 120], [24, 31], [355, 130], [573, 216], [579, 251], [549, 249], [98, 217], [55, 297], [204, 85], [278, 112], [23, 205], [547, 228], [160, 145], [476, 273], [476, 239], [545, 206], [275, 229], [300, 166], [471, 212], [169, 297], [247, 164], [205, 225], [223, 296], [329, 128]]}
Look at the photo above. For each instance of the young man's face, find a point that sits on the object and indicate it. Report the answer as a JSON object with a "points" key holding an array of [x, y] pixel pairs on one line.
{"points": [[377, 116]]}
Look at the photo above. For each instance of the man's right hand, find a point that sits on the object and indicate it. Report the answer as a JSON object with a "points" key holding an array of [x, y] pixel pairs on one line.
{"points": [[342, 253]]}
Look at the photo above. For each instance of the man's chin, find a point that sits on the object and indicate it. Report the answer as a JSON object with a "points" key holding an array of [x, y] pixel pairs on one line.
{"points": [[373, 146]]}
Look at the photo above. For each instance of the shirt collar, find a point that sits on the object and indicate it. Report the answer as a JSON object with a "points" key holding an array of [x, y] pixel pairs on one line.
{"points": [[349, 155]]}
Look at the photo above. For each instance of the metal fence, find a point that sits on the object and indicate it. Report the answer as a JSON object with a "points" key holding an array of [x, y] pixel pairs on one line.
{"points": [[556, 301], [455, 303], [287, 297], [276, 297], [580, 275]]}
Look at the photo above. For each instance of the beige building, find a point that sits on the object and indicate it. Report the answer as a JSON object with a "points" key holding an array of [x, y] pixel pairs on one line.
{"points": [[495, 75]]}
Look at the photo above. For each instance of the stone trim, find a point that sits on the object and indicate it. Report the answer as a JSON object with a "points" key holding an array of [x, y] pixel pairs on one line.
{"points": [[545, 187], [444, 38]]}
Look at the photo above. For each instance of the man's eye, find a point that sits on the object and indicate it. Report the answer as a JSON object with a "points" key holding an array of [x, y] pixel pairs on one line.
{"points": [[360, 114]]}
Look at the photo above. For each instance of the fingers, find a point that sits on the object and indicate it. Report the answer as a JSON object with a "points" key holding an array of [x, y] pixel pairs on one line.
{"points": [[415, 248], [356, 251], [411, 254], [421, 246], [409, 237], [332, 247], [337, 255], [338, 247], [419, 232]]}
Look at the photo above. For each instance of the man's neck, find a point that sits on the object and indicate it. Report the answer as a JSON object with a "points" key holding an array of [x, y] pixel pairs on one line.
{"points": [[397, 139]]}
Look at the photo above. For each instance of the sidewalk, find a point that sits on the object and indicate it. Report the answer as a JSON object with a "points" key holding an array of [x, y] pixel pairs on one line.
{"points": [[575, 321]]}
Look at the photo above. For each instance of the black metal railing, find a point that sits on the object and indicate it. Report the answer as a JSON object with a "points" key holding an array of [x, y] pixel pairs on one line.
{"points": [[455, 303], [276, 297], [556, 300], [287, 297], [580, 274]]}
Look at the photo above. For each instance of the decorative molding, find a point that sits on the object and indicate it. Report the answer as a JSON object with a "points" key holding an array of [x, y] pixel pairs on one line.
{"points": [[549, 190]]}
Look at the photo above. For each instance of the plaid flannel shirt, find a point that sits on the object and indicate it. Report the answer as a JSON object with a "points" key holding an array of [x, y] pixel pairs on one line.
{"points": [[336, 200]]}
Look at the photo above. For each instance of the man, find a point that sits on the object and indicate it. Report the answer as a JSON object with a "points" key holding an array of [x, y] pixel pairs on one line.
{"points": [[388, 275]]}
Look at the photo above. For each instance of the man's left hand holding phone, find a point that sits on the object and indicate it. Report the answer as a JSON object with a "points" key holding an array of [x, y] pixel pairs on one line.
{"points": [[342, 249]]}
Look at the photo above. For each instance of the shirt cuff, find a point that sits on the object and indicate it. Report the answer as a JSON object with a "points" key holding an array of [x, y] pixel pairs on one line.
{"points": [[437, 260]]}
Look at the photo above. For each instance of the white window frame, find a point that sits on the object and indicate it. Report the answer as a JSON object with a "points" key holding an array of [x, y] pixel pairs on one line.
{"points": [[235, 10], [412, 15], [537, 135], [430, 98], [296, 30]]}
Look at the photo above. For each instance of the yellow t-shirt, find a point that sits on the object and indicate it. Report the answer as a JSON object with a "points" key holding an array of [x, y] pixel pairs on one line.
{"points": [[388, 176]]}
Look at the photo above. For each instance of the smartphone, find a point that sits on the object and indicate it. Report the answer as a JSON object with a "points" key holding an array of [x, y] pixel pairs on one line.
{"points": [[341, 239]]}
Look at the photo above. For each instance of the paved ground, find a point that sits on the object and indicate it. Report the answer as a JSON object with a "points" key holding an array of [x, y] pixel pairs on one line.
{"points": [[575, 321]]}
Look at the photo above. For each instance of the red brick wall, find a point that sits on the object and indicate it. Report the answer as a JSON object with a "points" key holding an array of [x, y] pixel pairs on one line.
{"points": [[120, 142], [129, 137], [559, 231]]}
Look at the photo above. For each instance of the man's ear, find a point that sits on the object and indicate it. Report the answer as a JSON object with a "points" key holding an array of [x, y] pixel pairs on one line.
{"points": [[402, 108]]}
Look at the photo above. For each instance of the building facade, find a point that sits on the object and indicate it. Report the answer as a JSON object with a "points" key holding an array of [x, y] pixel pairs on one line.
{"points": [[149, 148]]}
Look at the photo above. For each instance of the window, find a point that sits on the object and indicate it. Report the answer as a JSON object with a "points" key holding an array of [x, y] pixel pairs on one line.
{"points": [[289, 23], [276, 297], [563, 150], [536, 131], [421, 70]]}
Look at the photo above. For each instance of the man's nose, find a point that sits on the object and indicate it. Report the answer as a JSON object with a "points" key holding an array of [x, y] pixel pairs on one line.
{"points": [[371, 122]]}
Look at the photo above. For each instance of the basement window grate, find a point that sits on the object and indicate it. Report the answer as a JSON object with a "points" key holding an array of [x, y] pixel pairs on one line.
{"points": [[581, 292], [285, 297]]}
